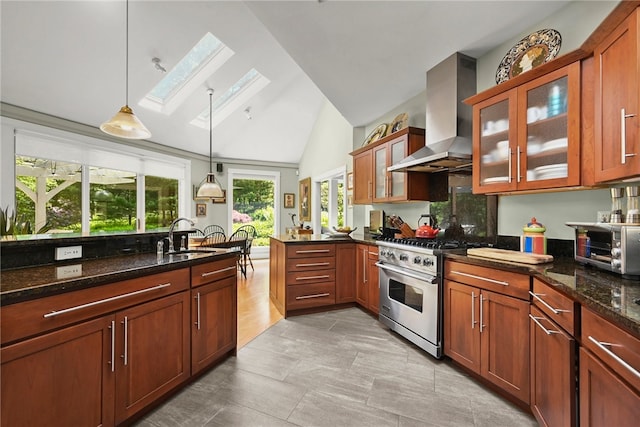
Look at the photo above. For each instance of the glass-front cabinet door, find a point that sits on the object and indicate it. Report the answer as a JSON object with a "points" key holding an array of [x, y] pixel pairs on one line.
{"points": [[397, 151], [549, 137], [494, 143], [529, 137], [380, 173]]}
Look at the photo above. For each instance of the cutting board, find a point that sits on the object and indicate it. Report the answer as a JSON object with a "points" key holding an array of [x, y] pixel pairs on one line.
{"points": [[513, 256]]}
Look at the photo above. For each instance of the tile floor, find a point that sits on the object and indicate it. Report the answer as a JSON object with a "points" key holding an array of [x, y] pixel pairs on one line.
{"points": [[339, 368]]}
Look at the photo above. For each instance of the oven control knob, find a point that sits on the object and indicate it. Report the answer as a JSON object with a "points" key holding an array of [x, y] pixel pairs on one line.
{"points": [[616, 264], [616, 252], [417, 260], [428, 262], [404, 257]]}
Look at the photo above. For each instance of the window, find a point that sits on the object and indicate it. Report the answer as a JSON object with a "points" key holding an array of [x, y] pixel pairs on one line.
{"points": [[198, 64], [245, 88], [329, 200], [99, 186]]}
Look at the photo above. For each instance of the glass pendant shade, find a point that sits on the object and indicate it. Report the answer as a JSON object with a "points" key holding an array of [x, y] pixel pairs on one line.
{"points": [[209, 188], [125, 124]]}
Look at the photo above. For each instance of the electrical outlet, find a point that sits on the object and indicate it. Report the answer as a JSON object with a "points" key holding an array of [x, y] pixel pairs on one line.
{"points": [[69, 271], [68, 252]]}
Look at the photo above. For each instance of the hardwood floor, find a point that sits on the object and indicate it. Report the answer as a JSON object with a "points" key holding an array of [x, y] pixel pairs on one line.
{"points": [[256, 312]]}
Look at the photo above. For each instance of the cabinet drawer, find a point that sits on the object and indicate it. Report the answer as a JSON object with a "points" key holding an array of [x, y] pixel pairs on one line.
{"points": [[37, 316], [504, 282], [306, 264], [308, 251], [372, 252], [560, 308], [311, 295], [212, 271], [617, 348], [315, 276]]}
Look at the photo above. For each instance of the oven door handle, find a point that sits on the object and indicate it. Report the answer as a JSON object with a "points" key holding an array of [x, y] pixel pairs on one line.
{"points": [[430, 279]]}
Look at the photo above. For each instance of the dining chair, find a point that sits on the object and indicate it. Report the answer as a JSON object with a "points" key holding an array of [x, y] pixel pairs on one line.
{"points": [[211, 228], [241, 235], [251, 234], [213, 238]]}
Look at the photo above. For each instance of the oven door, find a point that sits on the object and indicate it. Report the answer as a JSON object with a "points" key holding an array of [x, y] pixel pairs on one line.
{"points": [[411, 300]]}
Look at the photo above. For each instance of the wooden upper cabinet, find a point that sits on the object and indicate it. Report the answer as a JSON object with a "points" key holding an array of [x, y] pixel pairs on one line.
{"points": [[617, 102], [374, 184], [528, 137]]}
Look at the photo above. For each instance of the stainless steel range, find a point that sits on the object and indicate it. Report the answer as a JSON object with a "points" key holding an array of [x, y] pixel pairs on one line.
{"points": [[411, 288]]}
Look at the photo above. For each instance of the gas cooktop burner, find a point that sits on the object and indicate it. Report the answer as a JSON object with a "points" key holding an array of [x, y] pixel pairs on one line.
{"points": [[427, 243]]}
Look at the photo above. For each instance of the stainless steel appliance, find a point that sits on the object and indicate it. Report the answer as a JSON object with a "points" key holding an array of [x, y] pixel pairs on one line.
{"points": [[612, 247], [411, 288]]}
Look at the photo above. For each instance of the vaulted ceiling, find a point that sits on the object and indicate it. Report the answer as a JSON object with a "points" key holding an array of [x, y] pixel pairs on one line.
{"points": [[67, 59]]}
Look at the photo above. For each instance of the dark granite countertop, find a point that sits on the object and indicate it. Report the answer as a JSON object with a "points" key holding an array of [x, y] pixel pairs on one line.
{"points": [[23, 284], [603, 292]]}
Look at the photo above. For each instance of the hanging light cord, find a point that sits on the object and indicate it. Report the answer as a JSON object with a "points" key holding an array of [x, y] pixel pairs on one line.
{"points": [[126, 61], [210, 130]]}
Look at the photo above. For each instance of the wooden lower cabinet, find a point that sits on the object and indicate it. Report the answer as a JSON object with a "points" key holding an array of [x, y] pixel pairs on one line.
{"points": [[345, 273], [152, 348], [489, 334], [553, 372], [213, 322], [44, 377], [605, 398], [367, 280]]}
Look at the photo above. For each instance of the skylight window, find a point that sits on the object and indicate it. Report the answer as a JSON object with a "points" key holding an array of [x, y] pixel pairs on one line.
{"points": [[198, 64], [238, 94]]}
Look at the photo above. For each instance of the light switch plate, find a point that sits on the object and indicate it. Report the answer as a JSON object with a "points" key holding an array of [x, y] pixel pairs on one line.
{"points": [[68, 252], [69, 271]]}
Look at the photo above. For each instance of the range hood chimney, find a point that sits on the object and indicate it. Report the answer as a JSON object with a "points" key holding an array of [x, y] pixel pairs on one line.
{"points": [[448, 132]]}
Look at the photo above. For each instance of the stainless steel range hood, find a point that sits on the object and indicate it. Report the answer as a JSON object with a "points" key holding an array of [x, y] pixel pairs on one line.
{"points": [[449, 119]]}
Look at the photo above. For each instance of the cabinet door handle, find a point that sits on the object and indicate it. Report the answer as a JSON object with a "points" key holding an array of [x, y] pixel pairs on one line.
{"points": [[509, 165], [554, 310], [323, 276], [364, 266], [113, 345], [482, 300], [473, 310], [312, 264], [326, 294], [197, 298], [369, 189], [519, 174], [537, 322], [473, 276], [125, 356], [102, 301], [617, 358], [623, 135], [209, 273]]}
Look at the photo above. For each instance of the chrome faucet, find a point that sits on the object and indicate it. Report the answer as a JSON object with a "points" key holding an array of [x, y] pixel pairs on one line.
{"points": [[173, 225]]}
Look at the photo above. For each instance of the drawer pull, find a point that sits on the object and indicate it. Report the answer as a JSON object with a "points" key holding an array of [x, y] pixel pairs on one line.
{"points": [[324, 276], [209, 273], [617, 358], [313, 251], [473, 276], [102, 301], [313, 264], [554, 310], [537, 321], [326, 294]]}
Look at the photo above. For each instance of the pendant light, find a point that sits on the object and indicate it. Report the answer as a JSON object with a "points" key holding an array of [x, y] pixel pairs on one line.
{"points": [[209, 187], [125, 124]]}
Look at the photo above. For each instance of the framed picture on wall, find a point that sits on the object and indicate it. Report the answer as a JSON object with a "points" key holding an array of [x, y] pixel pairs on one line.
{"points": [[350, 181], [305, 199], [289, 200], [201, 209]]}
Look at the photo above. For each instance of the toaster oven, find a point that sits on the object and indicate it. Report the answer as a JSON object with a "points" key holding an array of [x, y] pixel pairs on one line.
{"points": [[612, 247]]}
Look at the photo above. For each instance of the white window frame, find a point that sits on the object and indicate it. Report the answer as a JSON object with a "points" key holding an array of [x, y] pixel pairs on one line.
{"points": [[333, 176], [38, 141]]}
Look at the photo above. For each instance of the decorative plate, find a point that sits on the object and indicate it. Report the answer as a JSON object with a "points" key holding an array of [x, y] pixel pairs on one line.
{"points": [[400, 122], [379, 132], [535, 49]]}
